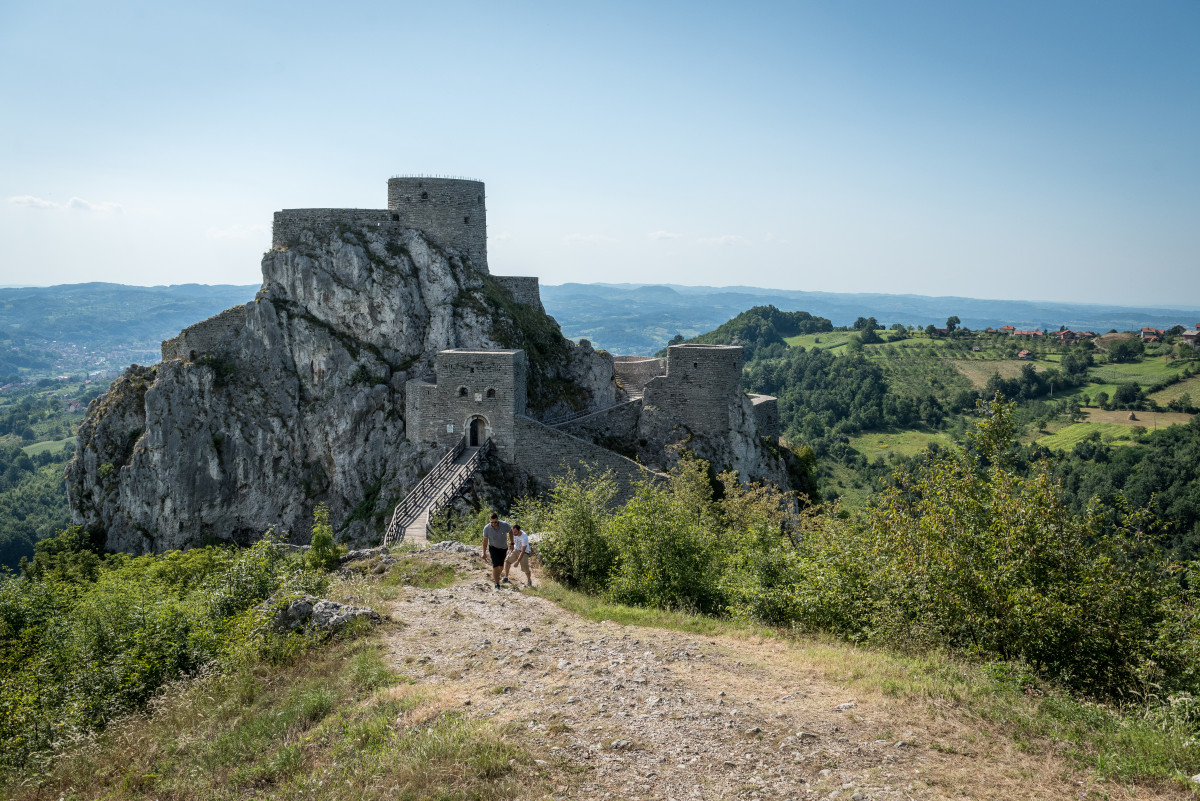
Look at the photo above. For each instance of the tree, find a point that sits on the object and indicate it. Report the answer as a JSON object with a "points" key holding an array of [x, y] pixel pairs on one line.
{"points": [[866, 324], [1102, 400], [931, 330], [952, 323], [1127, 394]]}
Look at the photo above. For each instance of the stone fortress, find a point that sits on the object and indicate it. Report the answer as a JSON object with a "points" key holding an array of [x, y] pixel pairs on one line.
{"points": [[378, 343], [695, 392]]}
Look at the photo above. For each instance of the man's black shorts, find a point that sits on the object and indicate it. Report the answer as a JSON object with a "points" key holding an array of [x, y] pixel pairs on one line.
{"points": [[498, 555]]}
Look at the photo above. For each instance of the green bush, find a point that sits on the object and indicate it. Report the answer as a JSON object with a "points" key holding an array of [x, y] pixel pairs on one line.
{"points": [[323, 552], [85, 638]]}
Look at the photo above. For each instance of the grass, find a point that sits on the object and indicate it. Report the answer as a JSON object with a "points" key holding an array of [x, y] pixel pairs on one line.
{"points": [[598, 610], [1068, 437], [313, 719], [1136, 744], [829, 340], [1146, 372], [54, 446], [979, 371], [908, 442], [1189, 386]]}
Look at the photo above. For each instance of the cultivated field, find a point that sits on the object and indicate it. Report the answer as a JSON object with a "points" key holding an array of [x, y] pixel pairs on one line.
{"points": [[1189, 386], [979, 371], [1113, 426]]}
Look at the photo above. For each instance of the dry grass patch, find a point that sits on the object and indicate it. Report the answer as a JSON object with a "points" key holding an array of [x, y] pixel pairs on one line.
{"points": [[979, 371], [1148, 420]]}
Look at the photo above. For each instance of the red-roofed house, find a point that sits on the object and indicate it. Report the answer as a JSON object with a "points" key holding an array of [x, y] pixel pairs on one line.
{"points": [[1007, 329], [1025, 354], [1152, 334]]}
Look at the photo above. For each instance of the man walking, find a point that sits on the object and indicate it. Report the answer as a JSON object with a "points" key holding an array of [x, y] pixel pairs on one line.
{"points": [[518, 554], [495, 545]]}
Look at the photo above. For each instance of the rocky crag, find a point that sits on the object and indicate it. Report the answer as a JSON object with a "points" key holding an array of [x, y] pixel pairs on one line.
{"points": [[302, 400]]}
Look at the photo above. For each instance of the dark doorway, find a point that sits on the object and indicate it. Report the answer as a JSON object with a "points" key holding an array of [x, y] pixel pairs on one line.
{"points": [[477, 432]]}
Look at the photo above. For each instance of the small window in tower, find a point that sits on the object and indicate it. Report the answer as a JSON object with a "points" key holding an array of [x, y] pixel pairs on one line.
{"points": [[395, 218], [491, 393], [462, 392], [696, 365], [424, 196], [479, 198], [466, 220]]}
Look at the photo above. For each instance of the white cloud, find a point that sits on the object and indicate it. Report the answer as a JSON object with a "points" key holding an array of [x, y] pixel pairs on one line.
{"points": [[238, 231], [75, 204], [79, 204], [662, 235], [589, 239], [728, 239], [29, 201]]}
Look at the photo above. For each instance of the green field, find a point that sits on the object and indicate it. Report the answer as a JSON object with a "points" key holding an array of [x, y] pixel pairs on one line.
{"points": [[828, 340], [1189, 386], [1146, 373], [904, 443], [1067, 438], [54, 446]]}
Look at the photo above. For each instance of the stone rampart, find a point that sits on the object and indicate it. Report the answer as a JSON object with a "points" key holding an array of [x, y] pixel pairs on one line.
{"points": [[287, 225], [451, 211], [766, 415], [524, 289], [544, 452], [615, 422], [206, 336], [635, 372], [702, 387]]}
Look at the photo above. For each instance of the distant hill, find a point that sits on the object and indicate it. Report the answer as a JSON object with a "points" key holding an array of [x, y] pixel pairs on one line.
{"points": [[112, 314], [99, 328], [638, 319]]}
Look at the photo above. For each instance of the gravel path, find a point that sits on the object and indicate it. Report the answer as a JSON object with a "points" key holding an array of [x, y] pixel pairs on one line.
{"points": [[624, 712]]}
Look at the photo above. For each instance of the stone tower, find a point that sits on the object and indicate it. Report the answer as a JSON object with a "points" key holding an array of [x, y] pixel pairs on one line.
{"points": [[452, 211]]}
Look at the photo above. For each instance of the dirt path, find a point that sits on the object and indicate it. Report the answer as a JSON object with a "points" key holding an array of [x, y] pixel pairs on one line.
{"points": [[624, 712]]}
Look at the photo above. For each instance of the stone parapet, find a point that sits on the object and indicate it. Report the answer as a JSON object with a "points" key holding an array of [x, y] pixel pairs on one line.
{"points": [[524, 289], [766, 415], [635, 372], [206, 336], [544, 452]]}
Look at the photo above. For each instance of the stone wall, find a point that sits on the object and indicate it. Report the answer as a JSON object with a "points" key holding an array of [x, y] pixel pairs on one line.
{"points": [[635, 372], [615, 422], [524, 289], [485, 384], [544, 452], [766, 415], [287, 225], [451, 211], [702, 387], [206, 336]]}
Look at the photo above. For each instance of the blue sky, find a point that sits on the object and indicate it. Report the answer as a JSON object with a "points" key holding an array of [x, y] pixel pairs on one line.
{"points": [[1041, 150]]}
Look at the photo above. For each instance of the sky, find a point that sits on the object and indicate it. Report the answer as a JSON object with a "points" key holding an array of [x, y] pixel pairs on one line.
{"points": [[1043, 150]]}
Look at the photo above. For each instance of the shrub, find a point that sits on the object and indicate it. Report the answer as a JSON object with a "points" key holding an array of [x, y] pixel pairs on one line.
{"points": [[323, 552]]}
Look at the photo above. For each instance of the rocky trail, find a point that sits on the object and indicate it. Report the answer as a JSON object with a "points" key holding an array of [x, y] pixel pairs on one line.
{"points": [[615, 711]]}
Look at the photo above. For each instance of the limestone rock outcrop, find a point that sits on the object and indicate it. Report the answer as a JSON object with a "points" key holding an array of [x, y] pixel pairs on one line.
{"points": [[302, 400]]}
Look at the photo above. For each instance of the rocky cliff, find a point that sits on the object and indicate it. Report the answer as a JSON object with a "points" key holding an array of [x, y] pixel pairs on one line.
{"points": [[247, 426]]}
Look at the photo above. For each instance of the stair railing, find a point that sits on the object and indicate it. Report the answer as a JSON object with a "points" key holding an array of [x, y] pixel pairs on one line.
{"points": [[419, 495], [465, 473]]}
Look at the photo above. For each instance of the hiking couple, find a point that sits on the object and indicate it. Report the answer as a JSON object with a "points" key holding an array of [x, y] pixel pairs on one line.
{"points": [[506, 545]]}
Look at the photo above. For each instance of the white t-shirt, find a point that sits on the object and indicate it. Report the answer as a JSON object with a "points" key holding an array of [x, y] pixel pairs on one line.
{"points": [[521, 543]]}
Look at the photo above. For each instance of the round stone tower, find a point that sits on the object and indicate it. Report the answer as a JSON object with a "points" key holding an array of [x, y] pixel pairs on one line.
{"points": [[450, 210]]}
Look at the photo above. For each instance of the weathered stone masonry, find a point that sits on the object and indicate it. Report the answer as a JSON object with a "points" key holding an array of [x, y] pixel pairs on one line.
{"points": [[206, 336], [700, 385], [484, 387]]}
